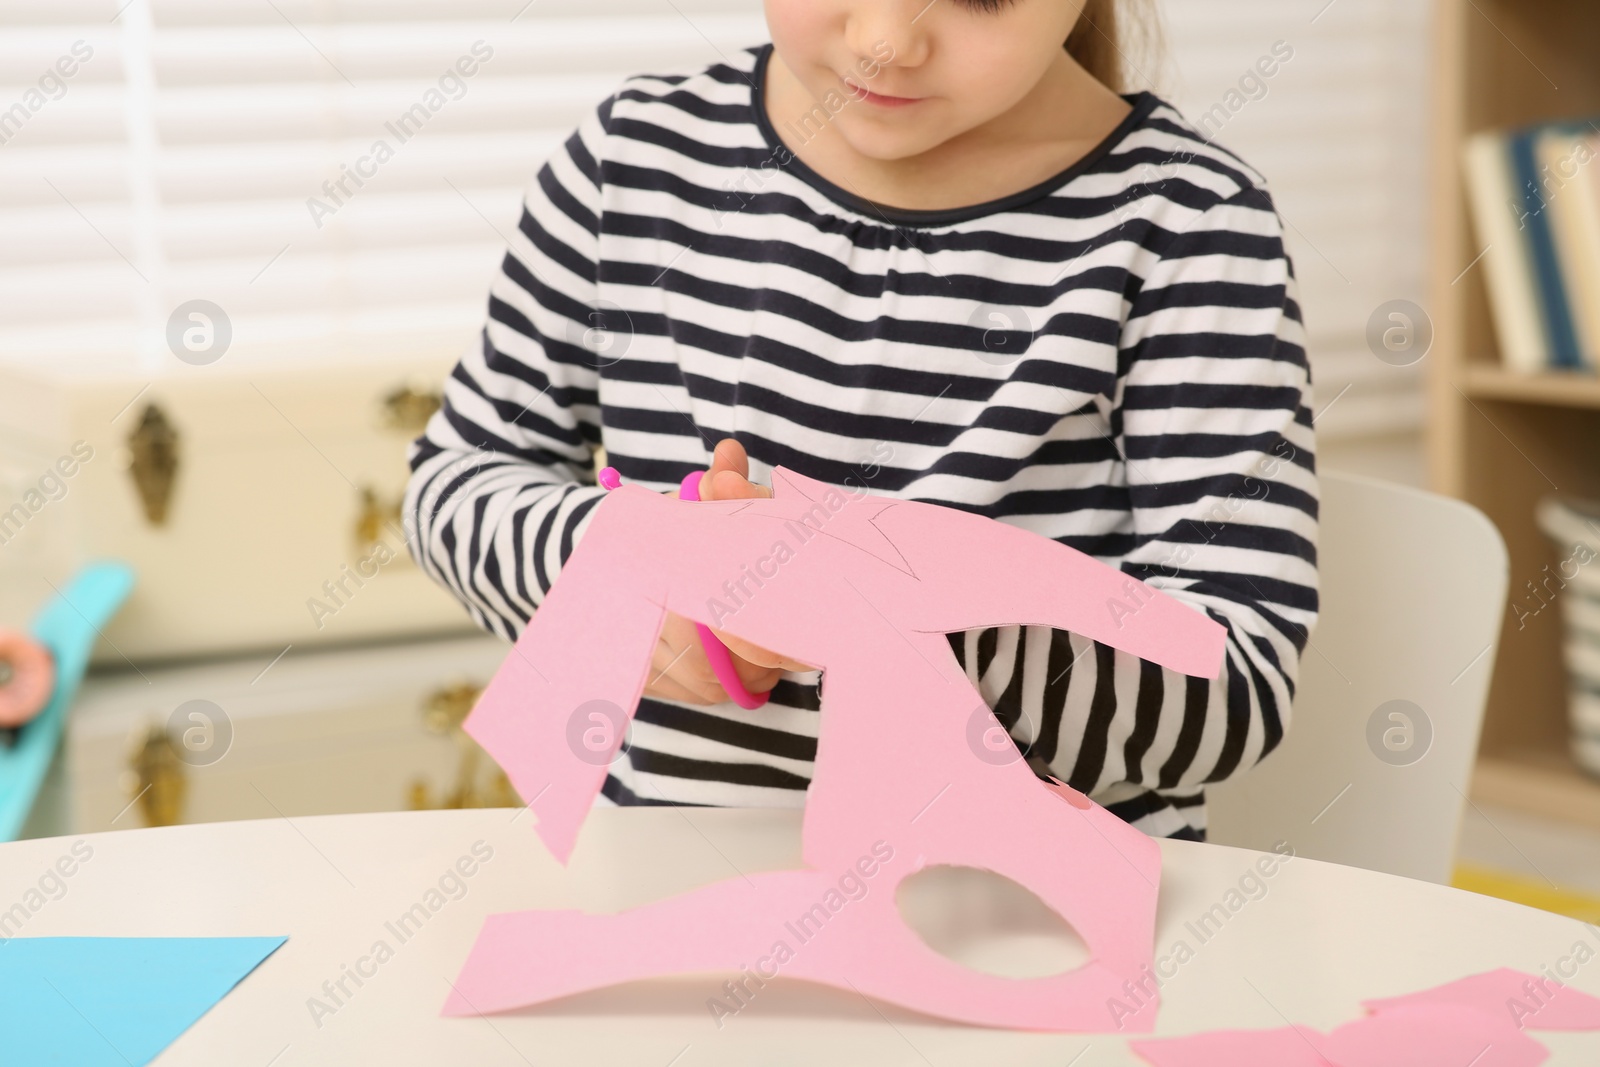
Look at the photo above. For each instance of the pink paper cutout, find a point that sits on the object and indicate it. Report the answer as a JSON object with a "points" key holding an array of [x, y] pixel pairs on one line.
{"points": [[1470, 1021], [1287, 1047], [1433, 1035], [1525, 1000], [866, 588]]}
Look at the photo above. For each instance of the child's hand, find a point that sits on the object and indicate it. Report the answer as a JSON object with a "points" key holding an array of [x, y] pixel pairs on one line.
{"points": [[679, 669]]}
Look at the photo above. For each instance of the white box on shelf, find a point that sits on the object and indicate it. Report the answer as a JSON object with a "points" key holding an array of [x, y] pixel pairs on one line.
{"points": [[258, 507]]}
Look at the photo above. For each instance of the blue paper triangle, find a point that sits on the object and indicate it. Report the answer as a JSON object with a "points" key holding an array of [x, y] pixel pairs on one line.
{"points": [[68, 627], [117, 1001]]}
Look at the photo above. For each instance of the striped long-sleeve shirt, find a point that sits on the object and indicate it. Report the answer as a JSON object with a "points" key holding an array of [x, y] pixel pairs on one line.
{"points": [[1113, 358]]}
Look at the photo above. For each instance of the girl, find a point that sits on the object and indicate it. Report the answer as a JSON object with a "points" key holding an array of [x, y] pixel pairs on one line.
{"points": [[924, 247]]}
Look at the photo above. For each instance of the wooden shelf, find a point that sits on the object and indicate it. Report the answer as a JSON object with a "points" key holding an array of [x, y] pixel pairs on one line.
{"points": [[1573, 389], [1542, 783], [1497, 439]]}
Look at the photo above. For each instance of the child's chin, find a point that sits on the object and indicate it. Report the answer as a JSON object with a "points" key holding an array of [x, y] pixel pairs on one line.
{"points": [[888, 140]]}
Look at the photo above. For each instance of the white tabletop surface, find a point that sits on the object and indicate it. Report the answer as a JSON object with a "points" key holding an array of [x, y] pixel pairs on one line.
{"points": [[1315, 939]]}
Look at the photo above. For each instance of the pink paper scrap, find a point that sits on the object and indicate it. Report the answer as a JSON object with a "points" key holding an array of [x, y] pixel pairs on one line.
{"points": [[1479, 1020]]}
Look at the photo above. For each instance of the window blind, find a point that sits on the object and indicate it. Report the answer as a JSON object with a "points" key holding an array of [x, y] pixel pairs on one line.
{"points": [[230, 153], [336, 175], [70, 243], [1340, 132]]}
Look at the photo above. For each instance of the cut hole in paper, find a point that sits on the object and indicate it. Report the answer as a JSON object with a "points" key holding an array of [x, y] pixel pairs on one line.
{"points": [[989, 923]]}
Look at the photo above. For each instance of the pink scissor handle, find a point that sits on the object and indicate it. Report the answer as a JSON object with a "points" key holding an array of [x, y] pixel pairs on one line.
{"points": [[27, 678], [717, 653]]}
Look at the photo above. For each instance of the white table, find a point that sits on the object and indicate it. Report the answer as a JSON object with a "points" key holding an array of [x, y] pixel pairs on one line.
{"points": [[1319, 939]]}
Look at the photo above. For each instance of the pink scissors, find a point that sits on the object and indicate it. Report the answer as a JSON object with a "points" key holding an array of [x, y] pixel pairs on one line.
{"points": [[717, 653]]}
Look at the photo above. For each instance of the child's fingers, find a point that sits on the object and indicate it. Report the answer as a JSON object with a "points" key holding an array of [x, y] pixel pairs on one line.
{"points": [[729, 455], [730, 485], [754, 677], [758, 656], [667, 688], [700, 687], [744, 489], [677, 683], [679, 669], [728, 477]]}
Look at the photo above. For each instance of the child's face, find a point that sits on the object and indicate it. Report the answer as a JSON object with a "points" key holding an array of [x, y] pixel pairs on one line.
{"points": [[952, 65]]}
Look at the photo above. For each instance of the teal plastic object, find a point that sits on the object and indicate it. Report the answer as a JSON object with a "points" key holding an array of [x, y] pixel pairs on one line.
{"points": [[67, 626], [113, 1001]]}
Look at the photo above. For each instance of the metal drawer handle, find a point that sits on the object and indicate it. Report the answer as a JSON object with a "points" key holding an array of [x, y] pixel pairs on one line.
{"points": [[407, 408], [442, 713], [153, 461], [156, 778]]}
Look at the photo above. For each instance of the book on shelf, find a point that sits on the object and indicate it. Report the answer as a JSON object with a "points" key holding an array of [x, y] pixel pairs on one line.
{"points": [[1535, 199]]}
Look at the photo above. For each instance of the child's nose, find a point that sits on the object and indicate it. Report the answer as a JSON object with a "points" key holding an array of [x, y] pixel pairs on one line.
{"points": [[887, 35]]}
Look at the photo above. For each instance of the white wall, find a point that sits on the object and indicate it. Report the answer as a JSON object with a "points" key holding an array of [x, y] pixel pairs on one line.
{"points": [[1340, 131]]}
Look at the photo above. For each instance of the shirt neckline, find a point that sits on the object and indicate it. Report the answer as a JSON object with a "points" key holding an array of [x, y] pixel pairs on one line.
{"points": [[1142, 103]]}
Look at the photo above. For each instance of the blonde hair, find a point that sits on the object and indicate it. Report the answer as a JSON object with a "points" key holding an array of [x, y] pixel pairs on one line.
{"points": [[1112, 37]]}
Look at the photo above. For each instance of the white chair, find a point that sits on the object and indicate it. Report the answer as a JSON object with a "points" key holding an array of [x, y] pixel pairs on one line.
{"points": [[1413, 593]]}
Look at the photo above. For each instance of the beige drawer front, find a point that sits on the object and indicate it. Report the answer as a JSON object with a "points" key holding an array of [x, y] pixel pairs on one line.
{"points": [[323, 732]]}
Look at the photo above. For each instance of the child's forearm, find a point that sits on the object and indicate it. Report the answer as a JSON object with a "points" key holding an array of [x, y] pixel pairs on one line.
{"points": [[495, 529]]}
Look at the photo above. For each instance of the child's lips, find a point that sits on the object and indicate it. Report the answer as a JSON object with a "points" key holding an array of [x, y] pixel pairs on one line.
{"points": [[880, 99]]}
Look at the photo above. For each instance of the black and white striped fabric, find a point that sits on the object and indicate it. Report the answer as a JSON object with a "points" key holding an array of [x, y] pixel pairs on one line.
{"points": [[1113, 358]]}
